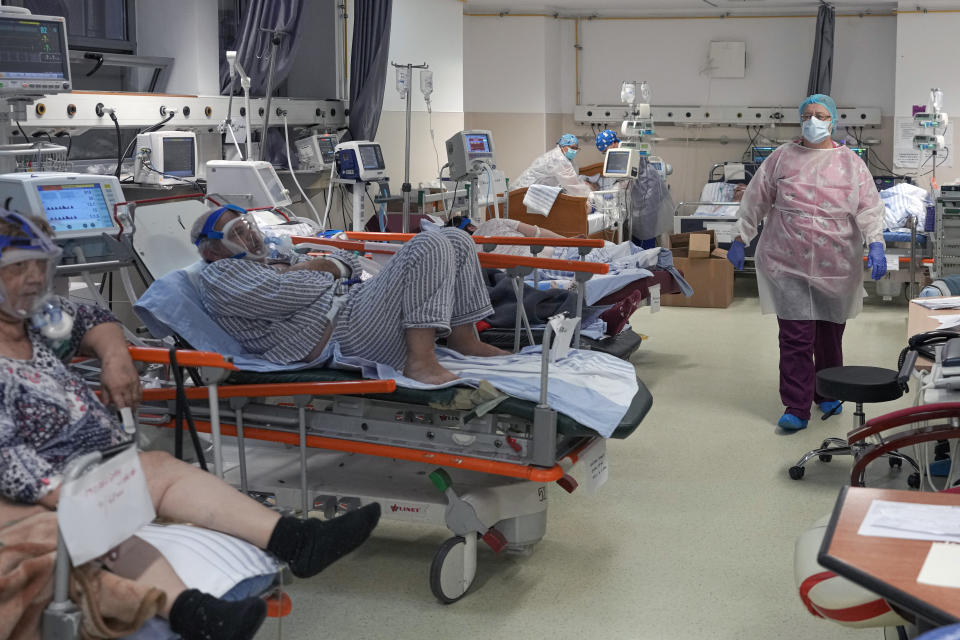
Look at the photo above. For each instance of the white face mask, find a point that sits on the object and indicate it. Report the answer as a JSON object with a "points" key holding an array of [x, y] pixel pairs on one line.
{"points": [[816, 131]]}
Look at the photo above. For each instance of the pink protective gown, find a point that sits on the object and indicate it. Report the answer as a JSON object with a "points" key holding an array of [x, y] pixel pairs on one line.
{"points": [[818, 207]]}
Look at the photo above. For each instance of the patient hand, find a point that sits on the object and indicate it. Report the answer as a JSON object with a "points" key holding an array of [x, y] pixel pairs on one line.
{"points": [[121, 382]]}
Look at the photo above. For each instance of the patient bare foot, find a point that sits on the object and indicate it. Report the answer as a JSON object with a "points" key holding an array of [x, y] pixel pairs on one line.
{"points": [[428, 372], [463, 339], [477, 348]]}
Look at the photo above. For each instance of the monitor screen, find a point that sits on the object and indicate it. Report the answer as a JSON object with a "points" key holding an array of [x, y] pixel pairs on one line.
{"points": [[32, 49], [178, 157], [760, 153], [617, 162], [75, 207], [370, 157], [862, 152], [326, 144], [477, 143]]}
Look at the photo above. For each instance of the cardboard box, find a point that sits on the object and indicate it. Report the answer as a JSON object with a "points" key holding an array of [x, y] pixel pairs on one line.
{"points": [[711, 279], [681, 241], [719, 253], [700, 246]]}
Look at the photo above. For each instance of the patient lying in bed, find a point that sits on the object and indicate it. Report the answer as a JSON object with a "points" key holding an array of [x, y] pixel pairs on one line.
{"points": [[293, 309], [48, 416]]}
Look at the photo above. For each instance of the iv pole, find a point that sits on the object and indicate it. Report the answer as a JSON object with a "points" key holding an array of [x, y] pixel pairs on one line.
{"points": [[406, 160]]}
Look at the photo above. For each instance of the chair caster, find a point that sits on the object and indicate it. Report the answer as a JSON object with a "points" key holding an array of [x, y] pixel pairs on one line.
{"points": [[796, 473], [824, 458], [913, 481], [895, 463]]}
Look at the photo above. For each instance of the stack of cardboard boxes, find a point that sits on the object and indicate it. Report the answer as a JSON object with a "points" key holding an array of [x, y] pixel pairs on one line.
{"points": [[705, 267]]}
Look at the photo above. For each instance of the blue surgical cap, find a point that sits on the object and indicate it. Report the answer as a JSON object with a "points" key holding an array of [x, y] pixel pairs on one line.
{"points": [[606, 138], [825, 100], [568, 140]]}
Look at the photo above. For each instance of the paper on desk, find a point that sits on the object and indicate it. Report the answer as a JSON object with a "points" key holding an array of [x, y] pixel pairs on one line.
{"points": [[889, 519], [952, 302], [942, 566], [947, 321]]}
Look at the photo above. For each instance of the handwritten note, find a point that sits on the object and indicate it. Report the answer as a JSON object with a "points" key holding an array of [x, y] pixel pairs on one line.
{"points": [[596, 466], [104, 507], [563, 330]]}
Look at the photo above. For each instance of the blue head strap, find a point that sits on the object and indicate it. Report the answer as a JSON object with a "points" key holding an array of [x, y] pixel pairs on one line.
{"points": [[464, 223], [207, 233], [7, 242]]}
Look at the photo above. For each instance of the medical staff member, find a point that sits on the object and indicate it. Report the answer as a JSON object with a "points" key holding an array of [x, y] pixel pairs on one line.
{"points": [[819, 205], [555, 168], [650, 201]]}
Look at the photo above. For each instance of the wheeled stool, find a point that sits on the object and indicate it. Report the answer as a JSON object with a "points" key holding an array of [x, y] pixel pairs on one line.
{"points": [[861, 385]]}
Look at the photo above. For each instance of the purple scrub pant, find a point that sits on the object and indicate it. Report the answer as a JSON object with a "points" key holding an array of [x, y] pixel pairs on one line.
{"points": [[806, 346]]}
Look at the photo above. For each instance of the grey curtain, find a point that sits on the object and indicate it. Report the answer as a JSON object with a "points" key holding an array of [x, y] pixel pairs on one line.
{"points": [[253, 45], [821, 68], [368, 65]]}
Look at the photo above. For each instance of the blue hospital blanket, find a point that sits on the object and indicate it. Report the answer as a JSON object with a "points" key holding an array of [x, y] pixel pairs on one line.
{"points": [[593, 388]]}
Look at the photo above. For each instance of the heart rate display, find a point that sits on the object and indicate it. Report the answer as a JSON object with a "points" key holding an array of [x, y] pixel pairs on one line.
{"points": [[75, 207]]}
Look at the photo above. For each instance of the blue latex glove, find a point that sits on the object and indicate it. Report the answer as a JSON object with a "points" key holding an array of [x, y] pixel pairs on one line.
{"points": [[735, 254], [876, 260]]}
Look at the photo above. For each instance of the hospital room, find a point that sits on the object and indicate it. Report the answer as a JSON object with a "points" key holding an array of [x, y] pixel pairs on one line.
{"points": [[406, 319]]}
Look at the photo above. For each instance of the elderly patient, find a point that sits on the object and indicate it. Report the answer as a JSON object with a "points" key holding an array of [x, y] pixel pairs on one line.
{"points": [[48, 416], [289, 310]]}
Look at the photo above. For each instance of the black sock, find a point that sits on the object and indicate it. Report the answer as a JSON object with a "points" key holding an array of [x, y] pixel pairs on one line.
{"points": [[199, 616], [310, 546]]}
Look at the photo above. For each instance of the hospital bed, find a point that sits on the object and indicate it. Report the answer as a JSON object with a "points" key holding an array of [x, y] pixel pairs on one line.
{"points": [[482, 472], [621, 345]]}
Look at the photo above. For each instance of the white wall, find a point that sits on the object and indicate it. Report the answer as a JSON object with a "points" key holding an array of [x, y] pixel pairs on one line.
{"points": [[428, 31], [927, 50], [671, 55], [185, 30], [504, 65]]}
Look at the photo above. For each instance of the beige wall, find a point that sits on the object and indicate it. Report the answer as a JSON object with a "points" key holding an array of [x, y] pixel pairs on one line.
{"points": [[520, 137]]}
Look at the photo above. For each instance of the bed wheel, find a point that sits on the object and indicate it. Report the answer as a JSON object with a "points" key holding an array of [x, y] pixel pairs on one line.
{"points": [[449, 577], [913, 481]]}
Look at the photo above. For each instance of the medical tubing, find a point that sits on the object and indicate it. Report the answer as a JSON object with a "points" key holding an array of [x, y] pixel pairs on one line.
{"points": [[152, 127], [496, 206], [293, 174], [183, 411], [88, 280], [116, 124], [128, 285], [235, 143], [326, 211]]}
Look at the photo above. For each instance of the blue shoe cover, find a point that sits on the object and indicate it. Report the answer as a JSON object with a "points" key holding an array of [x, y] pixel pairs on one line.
{"points": [[828, 406], [940, 468], [791, 422]]}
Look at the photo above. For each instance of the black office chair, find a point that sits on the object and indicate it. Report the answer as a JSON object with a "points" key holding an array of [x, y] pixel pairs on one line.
{"points": [[862, 385]]}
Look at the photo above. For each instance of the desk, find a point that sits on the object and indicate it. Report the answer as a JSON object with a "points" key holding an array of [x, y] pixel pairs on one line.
{"points": [[919, 321], [887, 566]]}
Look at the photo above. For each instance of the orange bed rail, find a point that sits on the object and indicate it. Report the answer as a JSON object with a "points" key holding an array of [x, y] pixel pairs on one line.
{"points": [[185, 357], [278, 389], [592, 243], [507, 469], [488, 260]]}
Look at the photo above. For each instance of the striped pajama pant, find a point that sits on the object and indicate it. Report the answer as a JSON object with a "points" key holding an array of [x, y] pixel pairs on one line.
{"points": [[433, 282]]}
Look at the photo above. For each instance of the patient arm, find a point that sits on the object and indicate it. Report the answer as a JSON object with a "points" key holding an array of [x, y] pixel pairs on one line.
{"points": [[119, 377], [530, 231], [316, 264]]}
